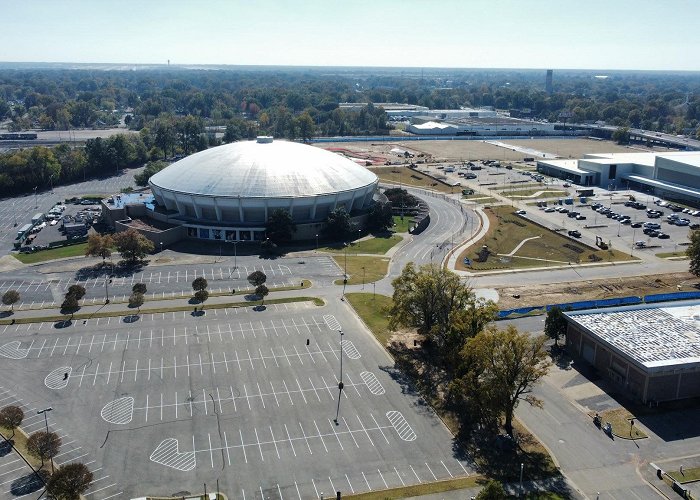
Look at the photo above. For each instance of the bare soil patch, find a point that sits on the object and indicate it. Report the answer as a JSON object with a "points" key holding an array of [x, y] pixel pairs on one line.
{"points": [[557, 293]]}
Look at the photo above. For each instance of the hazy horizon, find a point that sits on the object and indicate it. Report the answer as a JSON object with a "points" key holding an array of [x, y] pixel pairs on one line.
{"points": [[625, 35]]}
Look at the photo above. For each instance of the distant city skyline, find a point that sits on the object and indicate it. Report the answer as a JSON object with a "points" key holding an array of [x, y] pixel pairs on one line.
{"points": [[533, 34]]}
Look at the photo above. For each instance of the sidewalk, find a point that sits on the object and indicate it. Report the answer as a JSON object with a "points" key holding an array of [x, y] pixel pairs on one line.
{"points": [[649, 474]]}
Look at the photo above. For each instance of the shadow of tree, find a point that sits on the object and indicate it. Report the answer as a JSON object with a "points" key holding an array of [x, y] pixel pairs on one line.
{"points": [[5, 314], [29, 483], [6, 448], [64, 323], [132, 318]]}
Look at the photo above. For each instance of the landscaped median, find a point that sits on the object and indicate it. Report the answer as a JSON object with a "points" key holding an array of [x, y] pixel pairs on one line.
{"points": [[362, 268], [101, 312], [421, 489], [303, 284], [515, 242]]}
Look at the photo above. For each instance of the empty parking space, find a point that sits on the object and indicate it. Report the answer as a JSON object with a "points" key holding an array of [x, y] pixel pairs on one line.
{"points": [[175, 396]]}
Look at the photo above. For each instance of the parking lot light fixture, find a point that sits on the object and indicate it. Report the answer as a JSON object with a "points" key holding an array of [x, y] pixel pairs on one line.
{"points": [[46, 422]]}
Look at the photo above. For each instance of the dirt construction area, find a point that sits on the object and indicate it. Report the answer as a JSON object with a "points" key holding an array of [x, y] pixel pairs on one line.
{"points": [[467, 150], [559, 293]]}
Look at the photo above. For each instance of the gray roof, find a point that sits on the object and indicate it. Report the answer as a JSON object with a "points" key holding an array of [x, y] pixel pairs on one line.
{"points": [[654, 335], [270, 169]]}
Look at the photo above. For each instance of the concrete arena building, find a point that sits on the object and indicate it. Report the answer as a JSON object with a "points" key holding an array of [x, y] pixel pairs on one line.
{"points": [[228, 192]]}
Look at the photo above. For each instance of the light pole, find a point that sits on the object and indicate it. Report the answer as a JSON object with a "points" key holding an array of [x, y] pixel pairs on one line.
{"points": [[46, 421], [161, 246], [317, 242], [36, 203], [363, 277], [14, 213], [340, 383]]}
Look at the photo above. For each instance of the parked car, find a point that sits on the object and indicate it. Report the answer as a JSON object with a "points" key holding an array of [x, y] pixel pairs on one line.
{"points": [[663, 236], [636, 225], [695, 226], [580, 217], [575, 233], [521, 212]]}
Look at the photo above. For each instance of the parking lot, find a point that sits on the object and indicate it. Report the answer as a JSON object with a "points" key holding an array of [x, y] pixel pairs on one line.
{"points": [[244, 397], [39, 290]]}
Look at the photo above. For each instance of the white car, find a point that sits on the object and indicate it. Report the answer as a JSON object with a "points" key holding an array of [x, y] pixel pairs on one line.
{"points": [[54, 222], [521, 212]]}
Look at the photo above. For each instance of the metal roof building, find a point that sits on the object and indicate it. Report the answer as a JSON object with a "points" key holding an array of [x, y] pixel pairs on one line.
{"points": [[652, 352], [228, 192]]}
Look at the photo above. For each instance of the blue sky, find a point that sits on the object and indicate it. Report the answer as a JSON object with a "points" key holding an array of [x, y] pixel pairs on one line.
{"points": [[588, 34]]}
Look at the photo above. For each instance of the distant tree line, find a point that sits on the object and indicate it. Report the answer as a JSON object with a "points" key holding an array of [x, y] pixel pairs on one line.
{"points": [[299, 103]]}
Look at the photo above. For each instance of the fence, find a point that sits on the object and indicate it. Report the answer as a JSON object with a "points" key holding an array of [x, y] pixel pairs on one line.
{"points": [[602, 303]]}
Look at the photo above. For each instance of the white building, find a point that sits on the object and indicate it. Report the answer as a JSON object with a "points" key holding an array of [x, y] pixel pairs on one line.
{"points": [[484, 126], [227, 192], [673, 175]]}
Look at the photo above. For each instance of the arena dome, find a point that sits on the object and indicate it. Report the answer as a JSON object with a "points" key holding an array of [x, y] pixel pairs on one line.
{"points": [[237, 185]]}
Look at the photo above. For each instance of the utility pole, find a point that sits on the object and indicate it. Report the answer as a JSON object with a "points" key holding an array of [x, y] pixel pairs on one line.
{"points": [[46, 421], [340, 383]]}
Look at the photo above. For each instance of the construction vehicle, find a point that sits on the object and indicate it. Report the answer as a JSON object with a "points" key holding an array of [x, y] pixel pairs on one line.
{"points": [[600, 243]]}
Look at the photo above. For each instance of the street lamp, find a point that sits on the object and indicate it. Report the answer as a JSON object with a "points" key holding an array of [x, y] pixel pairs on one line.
{"points": [[345, 273], [317, 242], [36, 203], [363, 277], [161, 246], [46, 421], [340, 382]]}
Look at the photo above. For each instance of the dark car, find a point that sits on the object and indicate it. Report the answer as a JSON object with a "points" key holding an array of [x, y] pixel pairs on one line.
{"points": [[695, 226], [636, 224], [575, 233], [663, 236]]}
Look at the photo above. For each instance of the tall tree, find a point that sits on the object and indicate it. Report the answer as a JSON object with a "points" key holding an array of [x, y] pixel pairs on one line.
{"points": [[201, 296], [493, 490], [429, 299], [99, 246], [132, 245], [262, 291], [11, 417], [555, 324], [136, 300], [43, 445], [280, 226], [139, 288], [10, 298], [338, 224], [257, 278], [77, 291], [693, 252], [501, 368], [380, 216], [69, 482], [199, 284]]}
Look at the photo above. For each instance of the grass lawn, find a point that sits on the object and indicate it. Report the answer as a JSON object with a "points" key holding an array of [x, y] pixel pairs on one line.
{"points": [[690, 474], [408, 176], [544, 193], [376, 245], [20, 442], [420, 489], [401, 225], [51, 254], [371, 309], [375, 268], [507, 230], [619, 418], [666, 255]]}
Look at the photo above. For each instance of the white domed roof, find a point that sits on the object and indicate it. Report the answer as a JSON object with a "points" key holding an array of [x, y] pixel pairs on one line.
{"points": [[263, 168]]}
